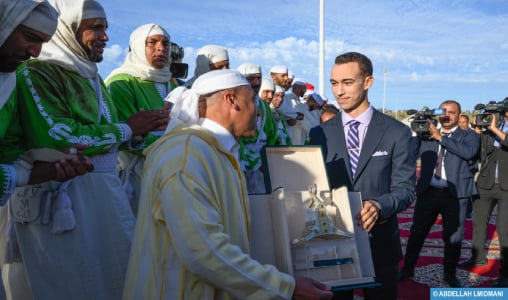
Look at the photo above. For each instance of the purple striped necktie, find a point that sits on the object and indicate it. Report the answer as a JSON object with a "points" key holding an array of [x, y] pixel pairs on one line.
{"points": [[353, 145]]}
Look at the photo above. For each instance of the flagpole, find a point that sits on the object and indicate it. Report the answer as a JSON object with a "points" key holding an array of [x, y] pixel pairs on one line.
{"points": [[322, 47]]}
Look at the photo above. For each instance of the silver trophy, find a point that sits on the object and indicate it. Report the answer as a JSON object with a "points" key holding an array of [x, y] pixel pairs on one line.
{"points": [[318, 223]]}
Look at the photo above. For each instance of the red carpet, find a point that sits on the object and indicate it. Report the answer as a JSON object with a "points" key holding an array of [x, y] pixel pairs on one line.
{"points": [[429, 270]]}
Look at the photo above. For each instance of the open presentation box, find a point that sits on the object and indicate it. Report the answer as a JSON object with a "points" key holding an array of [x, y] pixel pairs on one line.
{"points": [[279, 222]]}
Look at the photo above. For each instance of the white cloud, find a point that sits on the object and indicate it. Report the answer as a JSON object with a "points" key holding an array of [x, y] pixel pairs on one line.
{"points": [[432, 50]]}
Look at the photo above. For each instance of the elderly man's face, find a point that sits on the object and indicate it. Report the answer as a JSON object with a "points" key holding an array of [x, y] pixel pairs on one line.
{"points": [[157, 48], [245, 122], [92, 37], [23, 43]]}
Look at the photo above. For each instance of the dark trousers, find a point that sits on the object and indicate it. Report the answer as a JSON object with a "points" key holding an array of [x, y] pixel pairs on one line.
{"points": [[482, 209], [387, 277], [453, 213]]}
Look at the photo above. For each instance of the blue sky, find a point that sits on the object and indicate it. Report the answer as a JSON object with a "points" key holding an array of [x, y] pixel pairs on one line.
{"points": [[431, 50]]}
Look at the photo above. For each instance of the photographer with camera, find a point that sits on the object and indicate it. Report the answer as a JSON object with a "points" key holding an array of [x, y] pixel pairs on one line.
{"points": [[445, 186], [492, 184]]}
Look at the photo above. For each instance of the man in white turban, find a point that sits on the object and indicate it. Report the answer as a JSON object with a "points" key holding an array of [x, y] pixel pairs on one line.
{"points": [[266, 133], [192, 233], [209, 58], [26, 25], [280, 76], [142, 82], [79, 247], [300, 130], [20, 20]]}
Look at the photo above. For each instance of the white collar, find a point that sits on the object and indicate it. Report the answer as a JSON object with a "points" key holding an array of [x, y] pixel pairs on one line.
{"points": [[225, 138]]}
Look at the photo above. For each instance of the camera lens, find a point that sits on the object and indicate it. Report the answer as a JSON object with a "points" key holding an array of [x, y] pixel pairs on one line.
{"points": [[487, 119]]}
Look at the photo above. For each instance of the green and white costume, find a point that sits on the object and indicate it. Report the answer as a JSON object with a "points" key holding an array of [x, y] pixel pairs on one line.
{"points": [[135, 86], [78, 247]]}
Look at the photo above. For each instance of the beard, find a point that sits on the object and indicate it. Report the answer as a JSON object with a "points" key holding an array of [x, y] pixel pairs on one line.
{"points": [[92, 55]]}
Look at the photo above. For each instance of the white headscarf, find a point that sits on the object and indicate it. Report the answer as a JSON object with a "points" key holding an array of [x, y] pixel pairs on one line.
{"points": [[136, 63], [31, 13], [185, 101], [63, 49], [249, 69], [206, 56]]}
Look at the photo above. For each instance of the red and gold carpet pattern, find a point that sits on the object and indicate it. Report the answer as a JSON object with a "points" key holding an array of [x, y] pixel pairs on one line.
{"points": [[429, 269]]}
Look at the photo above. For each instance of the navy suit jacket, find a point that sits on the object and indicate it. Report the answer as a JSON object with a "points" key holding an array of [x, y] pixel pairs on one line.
{"points": [[386, 173], [491, 154], [461, 149]]}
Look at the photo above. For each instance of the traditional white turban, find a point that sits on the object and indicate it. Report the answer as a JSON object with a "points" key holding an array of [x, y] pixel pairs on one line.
{"points": [[93, 10], [206, 56], [43, 18], [136, 64], [280, 69], [249, 68], [266, 85], [185, 101], [36, 14]]}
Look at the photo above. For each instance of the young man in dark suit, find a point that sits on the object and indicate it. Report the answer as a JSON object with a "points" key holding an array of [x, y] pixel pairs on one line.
{"points": [[373, 154], [445, 187], [492, 185]]}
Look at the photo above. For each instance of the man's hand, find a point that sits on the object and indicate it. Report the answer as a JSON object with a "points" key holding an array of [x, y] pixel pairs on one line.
{"points": [[61, 170], [495, 130], [309, 289], [143, 122], [434, 133], [368, 215]]}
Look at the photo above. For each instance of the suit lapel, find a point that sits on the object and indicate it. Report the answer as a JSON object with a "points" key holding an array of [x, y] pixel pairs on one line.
{"points": [[337, 130]]}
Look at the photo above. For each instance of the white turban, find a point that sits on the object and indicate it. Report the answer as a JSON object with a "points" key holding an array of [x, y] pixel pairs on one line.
{"points": [[266, 85], [249, 69], [208, 55], [279, 69], [93, 10], [43, 18], [64, 49], [13, 13], [36, 14], [185, 101], [136, 64]]}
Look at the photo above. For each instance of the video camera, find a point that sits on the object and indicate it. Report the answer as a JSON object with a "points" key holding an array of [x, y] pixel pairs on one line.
{"points": [[484, 119], [421, 120]]}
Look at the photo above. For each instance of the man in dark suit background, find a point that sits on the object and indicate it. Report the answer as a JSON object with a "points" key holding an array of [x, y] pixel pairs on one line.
{"points": [[445, 186], [492, 185], [382, 165]]}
